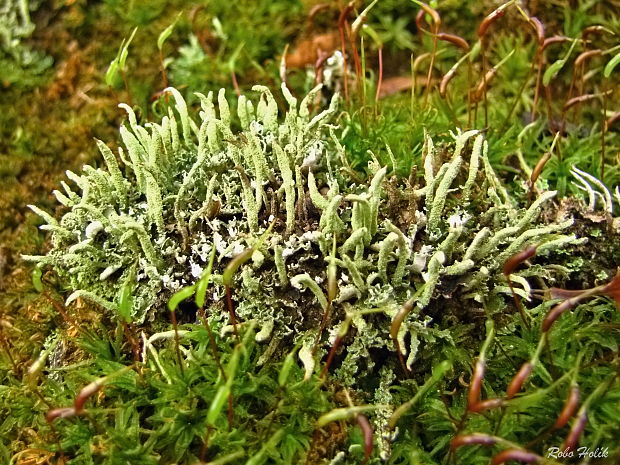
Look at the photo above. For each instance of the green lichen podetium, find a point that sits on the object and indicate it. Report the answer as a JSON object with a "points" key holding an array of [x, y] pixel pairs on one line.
{"points": [[191, 183]]}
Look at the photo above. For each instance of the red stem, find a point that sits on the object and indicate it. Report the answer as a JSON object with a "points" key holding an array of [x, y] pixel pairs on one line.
{"points": [[231, 311]]}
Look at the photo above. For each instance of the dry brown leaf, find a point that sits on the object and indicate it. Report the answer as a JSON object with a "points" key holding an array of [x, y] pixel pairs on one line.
{"points": [[395, 84], [307, 52]]}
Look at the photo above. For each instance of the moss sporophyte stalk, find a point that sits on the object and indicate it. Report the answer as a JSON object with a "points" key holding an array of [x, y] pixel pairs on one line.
{"points": [[192, 183]]}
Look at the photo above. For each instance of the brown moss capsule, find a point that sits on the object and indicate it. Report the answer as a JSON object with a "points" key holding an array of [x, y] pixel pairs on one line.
{"points": [[473, 439], [443, 85], [582, 57], [580, 99], [539, 28], [514, 261], [596, 29], [576, 430], [395, 328], [454, 40], [612, 289], [400, 317], [63, 412], [539, 167], [419, 20], [612, 120], [570, 407], [86, 392], [553, 40], [473, 396], [519, 379], [491, 18], [556, 311], [484, 83], [487, 405], [367, 433], [518, 455], [331, 355], [420, 17]]}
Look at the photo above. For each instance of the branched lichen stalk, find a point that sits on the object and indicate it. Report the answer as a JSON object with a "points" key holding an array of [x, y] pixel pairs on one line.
{"points": [[304, 281], [288, 185]]}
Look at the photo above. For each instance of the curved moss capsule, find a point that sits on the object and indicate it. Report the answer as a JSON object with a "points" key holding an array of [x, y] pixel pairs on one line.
{"points": [[473, 439], [163, 36], [92, 388], [400, 317], [87, 392], [431, 12], [473, 396], [488, 404], [515, 260], [491, 18], [180, 296], [234, 264], [539, 28], [579, 425], [552, 70], [570, 406], [517, 455], [455, 40], [538, 168], [556, 311], [61, 412], [517, 381]]}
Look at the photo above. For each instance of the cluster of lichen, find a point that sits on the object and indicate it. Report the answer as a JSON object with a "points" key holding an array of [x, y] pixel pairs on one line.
{"points": [[190, 186]]}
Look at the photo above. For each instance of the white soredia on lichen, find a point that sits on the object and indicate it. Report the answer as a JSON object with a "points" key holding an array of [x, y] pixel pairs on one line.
{"points": [[190, 184]]}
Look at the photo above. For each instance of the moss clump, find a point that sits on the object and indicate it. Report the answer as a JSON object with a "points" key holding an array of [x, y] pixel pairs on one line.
{"points": [[339, 246]]}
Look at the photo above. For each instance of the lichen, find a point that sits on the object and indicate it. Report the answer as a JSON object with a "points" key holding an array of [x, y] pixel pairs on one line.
{"points": [[189, 184]]}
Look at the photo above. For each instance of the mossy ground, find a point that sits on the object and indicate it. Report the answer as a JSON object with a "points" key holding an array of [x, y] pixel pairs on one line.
{"points": [[48, 127]]}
